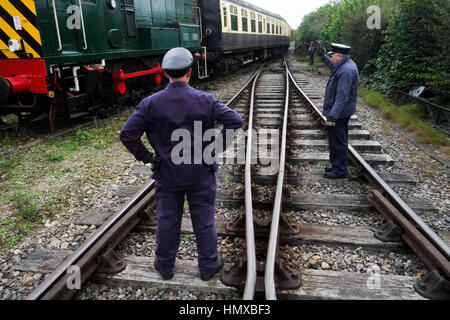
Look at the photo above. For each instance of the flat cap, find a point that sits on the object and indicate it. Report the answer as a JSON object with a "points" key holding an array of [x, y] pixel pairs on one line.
{"points": [[339, 48], [177, 62]]}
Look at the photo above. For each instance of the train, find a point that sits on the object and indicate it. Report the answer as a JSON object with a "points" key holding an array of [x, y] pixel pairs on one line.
{"points": [[69, 58]]}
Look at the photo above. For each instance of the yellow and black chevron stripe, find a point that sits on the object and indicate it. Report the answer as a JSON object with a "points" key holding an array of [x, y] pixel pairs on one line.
{"points": [[18, 21]]}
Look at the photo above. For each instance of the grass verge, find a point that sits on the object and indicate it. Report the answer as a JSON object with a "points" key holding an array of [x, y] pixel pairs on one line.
{"points": [[47, 180], [408, 117]]}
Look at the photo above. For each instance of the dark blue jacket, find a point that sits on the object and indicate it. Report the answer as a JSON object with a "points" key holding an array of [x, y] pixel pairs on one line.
{"points": [[342, 90], [175, 107]]}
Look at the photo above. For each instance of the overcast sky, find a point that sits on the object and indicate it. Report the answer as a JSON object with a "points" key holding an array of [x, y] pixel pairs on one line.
{"points": [[292, 11]]}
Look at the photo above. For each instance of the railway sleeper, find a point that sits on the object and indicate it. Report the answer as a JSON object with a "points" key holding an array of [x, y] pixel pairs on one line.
{"points": [[237, 225], [285, 276]]}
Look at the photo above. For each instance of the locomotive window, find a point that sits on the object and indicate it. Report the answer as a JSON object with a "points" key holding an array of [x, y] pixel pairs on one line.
{"points": [[90, 1], [225, 17], [234, 18], [129, 2]]}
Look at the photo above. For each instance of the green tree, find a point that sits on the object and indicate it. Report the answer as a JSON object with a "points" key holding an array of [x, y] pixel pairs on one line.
{"points": [[313, 26], [416, 47], [349, 24]]}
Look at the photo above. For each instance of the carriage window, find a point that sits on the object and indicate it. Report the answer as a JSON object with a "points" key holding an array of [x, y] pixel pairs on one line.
{"points": [[260, 25], [244, 20], [268, 28], [253, 21], [234, 18], [273, 28], [225, 17]]}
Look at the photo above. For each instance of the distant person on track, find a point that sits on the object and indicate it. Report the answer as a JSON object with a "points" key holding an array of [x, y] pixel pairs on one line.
{"points": [[180, 107], [339, 105], [312, 50]]}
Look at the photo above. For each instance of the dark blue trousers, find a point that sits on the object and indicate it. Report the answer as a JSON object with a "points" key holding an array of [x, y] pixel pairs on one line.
{"points": [[338, 142], [169, 211]]}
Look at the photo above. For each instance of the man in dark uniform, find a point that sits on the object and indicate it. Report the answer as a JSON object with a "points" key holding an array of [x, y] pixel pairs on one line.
{"points": [[312, 50], [339, 105], [180, 107]]}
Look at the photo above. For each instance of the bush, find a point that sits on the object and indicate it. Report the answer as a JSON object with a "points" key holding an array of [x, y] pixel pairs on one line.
{"points": [[416, 49], [348, 25], [312, 27]]}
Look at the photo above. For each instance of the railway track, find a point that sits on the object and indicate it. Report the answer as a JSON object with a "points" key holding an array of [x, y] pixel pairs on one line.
{"points": [[264, 213]]}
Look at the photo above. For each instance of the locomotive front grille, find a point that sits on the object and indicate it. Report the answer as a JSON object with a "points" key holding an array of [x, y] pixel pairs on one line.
{"points": [[19, 32]]}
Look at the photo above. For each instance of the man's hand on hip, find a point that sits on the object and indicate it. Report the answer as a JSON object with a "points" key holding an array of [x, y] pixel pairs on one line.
{"points": [[154, 159], [330, 123]]}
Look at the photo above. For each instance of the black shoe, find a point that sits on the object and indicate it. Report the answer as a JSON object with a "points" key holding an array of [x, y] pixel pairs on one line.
{"points": [[207, 277], [165, 276], [328, 168], [330, 175]]}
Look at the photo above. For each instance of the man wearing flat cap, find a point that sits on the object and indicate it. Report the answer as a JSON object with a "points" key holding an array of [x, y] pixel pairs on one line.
{"points": [[180, 107], [339, 105]]}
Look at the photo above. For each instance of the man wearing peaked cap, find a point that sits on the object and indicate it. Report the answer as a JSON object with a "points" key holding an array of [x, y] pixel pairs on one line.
{"points": [[339, 105], [180, 108], [177, 62], [339, 48]]}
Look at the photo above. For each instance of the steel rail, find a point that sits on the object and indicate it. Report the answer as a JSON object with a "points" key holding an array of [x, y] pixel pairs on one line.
{"points": [[250, 281], [55, 285], [437, 256], [269, 275]]}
